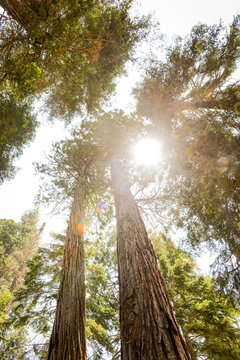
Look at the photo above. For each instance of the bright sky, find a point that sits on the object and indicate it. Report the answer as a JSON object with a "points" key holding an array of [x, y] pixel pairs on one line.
{"points": [[176, 18]]}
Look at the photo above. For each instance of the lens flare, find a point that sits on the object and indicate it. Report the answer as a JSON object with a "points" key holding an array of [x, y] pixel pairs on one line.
{"points": [[101, 207], [147, 152], [222, 165], [81, 227]]}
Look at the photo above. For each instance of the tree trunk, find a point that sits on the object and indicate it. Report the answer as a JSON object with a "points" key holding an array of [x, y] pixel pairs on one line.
{"points": [[148, 327], [68, 339], [26, 12]]}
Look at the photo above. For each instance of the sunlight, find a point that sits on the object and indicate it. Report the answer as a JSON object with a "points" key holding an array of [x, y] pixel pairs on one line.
{"points": [[147, 152]]}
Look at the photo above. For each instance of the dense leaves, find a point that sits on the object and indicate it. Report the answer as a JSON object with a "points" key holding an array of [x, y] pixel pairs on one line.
{"points": [[67, 52], [71, 55], [37, 298], [18, 241], [17, 128], [209, 321], [192, 100], [85, 157], [75, 50]]}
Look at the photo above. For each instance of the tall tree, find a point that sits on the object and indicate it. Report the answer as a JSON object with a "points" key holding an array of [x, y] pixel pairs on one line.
{"points": [[192, 100], [37, 297], [147, 323], [73, 172], [68, 340]]}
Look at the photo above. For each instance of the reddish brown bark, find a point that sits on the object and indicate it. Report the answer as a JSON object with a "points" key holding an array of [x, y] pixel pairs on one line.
{"points": [[148, 327], [68, 339]]}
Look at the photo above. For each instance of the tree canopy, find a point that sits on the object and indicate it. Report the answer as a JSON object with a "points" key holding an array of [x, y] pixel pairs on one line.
{"points": [[71, 57], [209, 321], [69, 53], [193, 100]]}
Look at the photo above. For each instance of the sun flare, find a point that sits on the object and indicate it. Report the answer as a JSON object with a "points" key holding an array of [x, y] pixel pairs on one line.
{"points": [[147, 152]]}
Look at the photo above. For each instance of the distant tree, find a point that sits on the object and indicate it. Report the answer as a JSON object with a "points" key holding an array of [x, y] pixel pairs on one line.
{"points": [[18, 241], [192, 101]]}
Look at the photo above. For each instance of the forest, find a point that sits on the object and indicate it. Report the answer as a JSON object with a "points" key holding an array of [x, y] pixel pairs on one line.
{"points": [[147, 192]]}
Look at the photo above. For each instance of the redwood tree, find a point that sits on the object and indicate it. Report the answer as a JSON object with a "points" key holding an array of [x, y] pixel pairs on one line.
{"points": [[192, 101], [73, 175], [148, 326], [68, 340]]}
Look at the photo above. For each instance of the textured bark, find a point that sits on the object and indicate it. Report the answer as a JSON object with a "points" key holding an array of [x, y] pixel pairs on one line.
{"points": [[28, 13], [68, 339], [148, 327]]}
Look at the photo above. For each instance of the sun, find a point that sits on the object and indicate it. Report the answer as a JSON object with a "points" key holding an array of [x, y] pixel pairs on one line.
{"points": [[147, 152]]}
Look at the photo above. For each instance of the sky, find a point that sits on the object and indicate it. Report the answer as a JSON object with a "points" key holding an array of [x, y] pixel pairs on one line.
{"points": [[175, 18]]}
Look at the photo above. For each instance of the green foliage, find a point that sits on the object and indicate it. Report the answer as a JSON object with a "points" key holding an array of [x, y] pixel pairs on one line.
{"points": [[208, 319], [197, 69], [72, 51], [13, 347], [85, 158], [5, 297], [192, 101], [37, 297], [102, 293], [69, 52], [40, 287], [17, 128], [72, 161], [18, 242]]}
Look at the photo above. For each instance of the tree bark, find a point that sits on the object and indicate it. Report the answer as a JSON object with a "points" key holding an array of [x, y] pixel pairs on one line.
{"points": [[148, 327], [68, 339], [28, 13]]}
